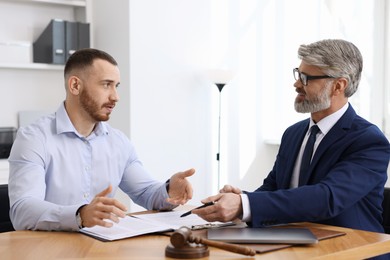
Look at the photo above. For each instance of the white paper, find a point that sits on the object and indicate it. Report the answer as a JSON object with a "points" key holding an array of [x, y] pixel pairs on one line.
{"points": [[141, 224], [127, 227], [173, 219]]}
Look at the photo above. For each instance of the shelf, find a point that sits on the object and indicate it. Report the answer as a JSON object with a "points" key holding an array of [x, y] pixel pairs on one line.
{"points": [[80, 3], [31, 66]]}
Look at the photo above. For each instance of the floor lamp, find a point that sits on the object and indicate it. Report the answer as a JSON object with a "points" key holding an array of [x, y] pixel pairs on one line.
{"points": [[219, 78], [220, 87]]}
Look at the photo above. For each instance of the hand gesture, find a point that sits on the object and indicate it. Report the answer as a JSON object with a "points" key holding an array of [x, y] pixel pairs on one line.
{"points": [[180, 189], [102, 208]]}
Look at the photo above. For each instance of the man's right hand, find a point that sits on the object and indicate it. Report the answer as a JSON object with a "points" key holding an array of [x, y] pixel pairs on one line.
{"points": [[102, 208], [227, 207], [230, 189]]}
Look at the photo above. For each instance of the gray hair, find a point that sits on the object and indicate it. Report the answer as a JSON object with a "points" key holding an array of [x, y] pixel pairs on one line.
{"points": [[336, 58]]}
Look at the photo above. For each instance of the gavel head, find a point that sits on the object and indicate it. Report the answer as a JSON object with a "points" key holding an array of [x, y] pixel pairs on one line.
{"points": [[180, 237]]}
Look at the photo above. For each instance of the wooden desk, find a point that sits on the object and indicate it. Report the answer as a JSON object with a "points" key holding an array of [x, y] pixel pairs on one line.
{"points": [[66, 245]]}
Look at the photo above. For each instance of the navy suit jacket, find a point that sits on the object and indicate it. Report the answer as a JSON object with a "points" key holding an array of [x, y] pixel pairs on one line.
{"points": [[347, 177]]}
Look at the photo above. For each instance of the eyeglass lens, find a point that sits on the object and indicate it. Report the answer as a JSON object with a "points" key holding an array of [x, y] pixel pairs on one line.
{"points": [[300, 76]]}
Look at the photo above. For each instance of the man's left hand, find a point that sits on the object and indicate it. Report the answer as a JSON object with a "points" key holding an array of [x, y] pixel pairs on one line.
{"points": [[180, 189]]}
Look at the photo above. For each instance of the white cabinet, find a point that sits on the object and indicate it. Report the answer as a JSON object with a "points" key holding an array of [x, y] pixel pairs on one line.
{"points": [[22, 21], [28, 86]]}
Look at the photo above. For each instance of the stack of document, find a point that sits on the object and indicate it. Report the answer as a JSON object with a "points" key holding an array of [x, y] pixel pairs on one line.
{"points": [[136, 225]]}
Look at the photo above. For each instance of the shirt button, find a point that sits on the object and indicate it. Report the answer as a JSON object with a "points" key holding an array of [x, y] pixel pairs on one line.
{"points": [[86, 195]]}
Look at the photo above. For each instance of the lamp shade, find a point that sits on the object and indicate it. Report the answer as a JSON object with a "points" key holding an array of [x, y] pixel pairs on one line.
{"points": [[220, 77]]}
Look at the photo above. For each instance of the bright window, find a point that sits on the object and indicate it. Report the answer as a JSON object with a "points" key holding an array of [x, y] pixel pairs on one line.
{"points": [[359, 21]]}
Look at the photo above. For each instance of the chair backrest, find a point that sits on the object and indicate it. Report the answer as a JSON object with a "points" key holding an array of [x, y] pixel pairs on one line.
{"points": [[386, 210], [5, 221]]}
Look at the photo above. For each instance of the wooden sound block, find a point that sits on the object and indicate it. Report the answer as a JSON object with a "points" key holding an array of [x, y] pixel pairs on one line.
{"points": [[189, 251]]}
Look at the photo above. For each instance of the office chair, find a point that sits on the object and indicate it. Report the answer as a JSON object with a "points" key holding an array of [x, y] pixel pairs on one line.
{"points": [[5, 221], [386, 210]]}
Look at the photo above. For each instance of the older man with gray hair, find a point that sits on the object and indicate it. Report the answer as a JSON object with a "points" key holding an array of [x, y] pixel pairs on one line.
{"points": [[332, 167]]}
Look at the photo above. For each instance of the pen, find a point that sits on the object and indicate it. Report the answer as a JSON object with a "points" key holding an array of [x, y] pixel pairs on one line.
{"points": [[203, 206]]}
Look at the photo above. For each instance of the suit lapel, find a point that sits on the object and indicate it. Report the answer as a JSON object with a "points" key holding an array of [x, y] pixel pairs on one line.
{"points": [[338, 131]]}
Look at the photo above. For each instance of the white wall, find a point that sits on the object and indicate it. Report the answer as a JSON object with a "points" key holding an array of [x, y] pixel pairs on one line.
{"points": [[170, 102], [173, 103], [172, 118]]}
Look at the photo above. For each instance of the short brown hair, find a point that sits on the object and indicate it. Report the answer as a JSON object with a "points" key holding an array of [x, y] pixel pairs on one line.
{"points": [[84, 58]]}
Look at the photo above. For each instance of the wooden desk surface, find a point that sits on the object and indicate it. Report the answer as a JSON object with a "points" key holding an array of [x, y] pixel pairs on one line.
{"points": [[355, 244]]}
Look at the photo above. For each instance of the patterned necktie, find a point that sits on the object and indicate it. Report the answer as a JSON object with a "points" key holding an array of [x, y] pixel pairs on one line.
{"points": [[307, 155]]}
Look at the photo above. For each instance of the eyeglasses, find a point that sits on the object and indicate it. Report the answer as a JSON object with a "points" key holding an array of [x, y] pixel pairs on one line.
{"points": [[304, 78]]}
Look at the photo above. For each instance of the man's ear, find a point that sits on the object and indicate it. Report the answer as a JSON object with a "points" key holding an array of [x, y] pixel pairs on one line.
{"points": [[339, 86], [74, 85]]}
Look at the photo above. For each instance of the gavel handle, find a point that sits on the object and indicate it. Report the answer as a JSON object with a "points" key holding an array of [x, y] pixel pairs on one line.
{"points": [[244, 250]]}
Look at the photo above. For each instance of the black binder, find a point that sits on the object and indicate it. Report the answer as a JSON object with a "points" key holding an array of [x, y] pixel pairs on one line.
{"points": [[50, 45], [71, 35], [76, 37], [83, 35], [59, 40]]}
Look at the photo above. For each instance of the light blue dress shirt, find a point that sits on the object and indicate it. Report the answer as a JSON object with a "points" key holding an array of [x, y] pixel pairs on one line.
{"points": [[54, 170]]}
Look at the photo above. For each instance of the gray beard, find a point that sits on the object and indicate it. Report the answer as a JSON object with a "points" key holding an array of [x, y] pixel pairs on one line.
{"points": [[321, 102], [311, 107]]}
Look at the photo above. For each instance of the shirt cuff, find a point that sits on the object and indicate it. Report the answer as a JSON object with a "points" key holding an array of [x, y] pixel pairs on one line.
{"points": [[67, 221], [246, 210]]}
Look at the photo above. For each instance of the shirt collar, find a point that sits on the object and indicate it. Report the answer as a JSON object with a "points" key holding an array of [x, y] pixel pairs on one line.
{"points": [[328, 122], [64, 125]]}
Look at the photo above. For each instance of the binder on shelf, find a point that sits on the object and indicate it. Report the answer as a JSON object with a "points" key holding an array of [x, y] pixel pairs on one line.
{"points": [[50, 45], [59, 40], [76, 37], [70, 38], [83, 35]]}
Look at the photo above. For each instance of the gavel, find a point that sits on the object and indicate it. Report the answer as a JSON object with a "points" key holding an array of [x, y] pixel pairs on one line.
{"points": [[182, 236]]}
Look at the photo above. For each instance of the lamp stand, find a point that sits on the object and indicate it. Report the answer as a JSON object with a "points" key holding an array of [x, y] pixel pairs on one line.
{"points": [[220, 87]]}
